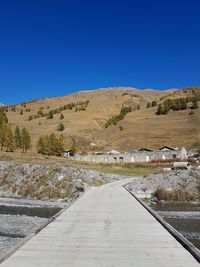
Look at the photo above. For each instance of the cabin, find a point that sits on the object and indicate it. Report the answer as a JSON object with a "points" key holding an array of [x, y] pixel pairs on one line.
{"points": [[168, 148], [113, 152], [68, 153], [145, 149]]}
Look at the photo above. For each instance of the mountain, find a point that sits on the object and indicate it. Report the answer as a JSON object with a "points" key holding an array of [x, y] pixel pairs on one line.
{"points": [[85, 120]]}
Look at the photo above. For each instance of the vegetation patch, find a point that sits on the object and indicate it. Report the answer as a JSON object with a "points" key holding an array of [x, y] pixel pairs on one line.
{"points": [[177, 104], [123, 169], [161, 194], [116, 118]]}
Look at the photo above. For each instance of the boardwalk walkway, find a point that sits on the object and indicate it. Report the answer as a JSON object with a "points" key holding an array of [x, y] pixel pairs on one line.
{"points": [[106, 227]]}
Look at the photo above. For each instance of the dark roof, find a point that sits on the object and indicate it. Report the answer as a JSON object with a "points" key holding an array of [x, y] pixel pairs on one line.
{"points": [[146, 149], [167, 147]]}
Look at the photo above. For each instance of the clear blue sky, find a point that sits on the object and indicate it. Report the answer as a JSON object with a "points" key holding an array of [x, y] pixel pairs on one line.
{"points": [[55, 47]]}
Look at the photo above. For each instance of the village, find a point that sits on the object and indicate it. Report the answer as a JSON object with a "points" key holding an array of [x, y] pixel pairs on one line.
{"points": [[165, 153]]}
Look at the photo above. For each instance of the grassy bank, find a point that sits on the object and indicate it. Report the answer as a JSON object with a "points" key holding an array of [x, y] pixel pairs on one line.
{"points": [[129, 169]]}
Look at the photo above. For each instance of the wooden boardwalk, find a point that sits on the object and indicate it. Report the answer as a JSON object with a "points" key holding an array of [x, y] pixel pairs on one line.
{"points": [[106, 227]]}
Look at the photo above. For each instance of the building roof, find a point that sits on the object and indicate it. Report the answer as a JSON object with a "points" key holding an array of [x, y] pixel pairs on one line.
{"points": [[146, 149], [168, 148], [113, 152]]}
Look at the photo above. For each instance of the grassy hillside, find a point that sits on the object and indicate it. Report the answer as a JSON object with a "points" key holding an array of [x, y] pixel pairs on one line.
{"points": [[138, 128]]}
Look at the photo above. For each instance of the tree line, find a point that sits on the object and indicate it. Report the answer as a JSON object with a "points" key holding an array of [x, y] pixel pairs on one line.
{"points": [[152, 104], [116, 118], [11, 141], [51, 145], [176, 105], [78, 106]]}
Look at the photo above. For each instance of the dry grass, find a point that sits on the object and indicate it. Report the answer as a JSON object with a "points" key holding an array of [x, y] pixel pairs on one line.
{"points": [[140, 128], [176, 195]]}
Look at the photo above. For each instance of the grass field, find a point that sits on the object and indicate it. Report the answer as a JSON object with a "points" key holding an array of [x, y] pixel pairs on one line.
{"points": [[139, 128]]}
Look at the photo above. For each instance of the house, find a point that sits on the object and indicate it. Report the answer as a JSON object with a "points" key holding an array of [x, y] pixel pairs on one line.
{"points": [[146, 149], [183, 154], [168, 148], [113, 152], [68, 153]]}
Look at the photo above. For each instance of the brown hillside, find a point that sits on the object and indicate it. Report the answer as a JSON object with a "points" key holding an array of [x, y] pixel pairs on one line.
{"points": [[139, 128]]}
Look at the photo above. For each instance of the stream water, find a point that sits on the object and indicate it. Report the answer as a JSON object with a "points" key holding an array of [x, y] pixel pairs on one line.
{"points": [[16, 222], [184, 217]]}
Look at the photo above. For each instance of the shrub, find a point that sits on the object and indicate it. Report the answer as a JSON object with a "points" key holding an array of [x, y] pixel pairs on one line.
{"points": [[177, 195], [60, 127]]}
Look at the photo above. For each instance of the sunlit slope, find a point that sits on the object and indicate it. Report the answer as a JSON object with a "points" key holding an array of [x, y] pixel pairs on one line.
{"points": [[139, 128]]}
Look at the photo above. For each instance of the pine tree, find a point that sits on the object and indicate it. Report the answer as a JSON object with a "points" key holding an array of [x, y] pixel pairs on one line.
{"points": [[25, 140], [17, 137]]}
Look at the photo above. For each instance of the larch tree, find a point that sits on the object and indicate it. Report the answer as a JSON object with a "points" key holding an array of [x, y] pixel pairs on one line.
{"points": [[9, 139], [25, 140], [17, 137]]}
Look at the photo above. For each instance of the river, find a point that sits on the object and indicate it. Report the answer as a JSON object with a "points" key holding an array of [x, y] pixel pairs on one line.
{"points": [[20, 218], [184, 217]]}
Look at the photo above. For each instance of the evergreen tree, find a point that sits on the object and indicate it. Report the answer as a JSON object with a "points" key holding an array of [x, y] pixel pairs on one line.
{"points": [[17, 137], [25, 140]]}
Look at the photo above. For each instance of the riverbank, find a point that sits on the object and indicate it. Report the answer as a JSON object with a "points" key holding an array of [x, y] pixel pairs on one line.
{"points": [[146, 186], [49, 180], [20, 218], [32, 192]]}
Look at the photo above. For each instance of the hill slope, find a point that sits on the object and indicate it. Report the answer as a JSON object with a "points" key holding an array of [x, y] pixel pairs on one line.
{"points": [[138, 128]]}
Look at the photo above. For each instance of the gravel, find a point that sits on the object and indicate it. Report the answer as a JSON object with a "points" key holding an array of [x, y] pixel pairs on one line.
{"points": [[173, 180], [48, 180], [19, 225]]}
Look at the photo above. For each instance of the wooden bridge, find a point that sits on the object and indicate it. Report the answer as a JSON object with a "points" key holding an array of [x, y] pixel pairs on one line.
{"points": [[106, 227]]}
